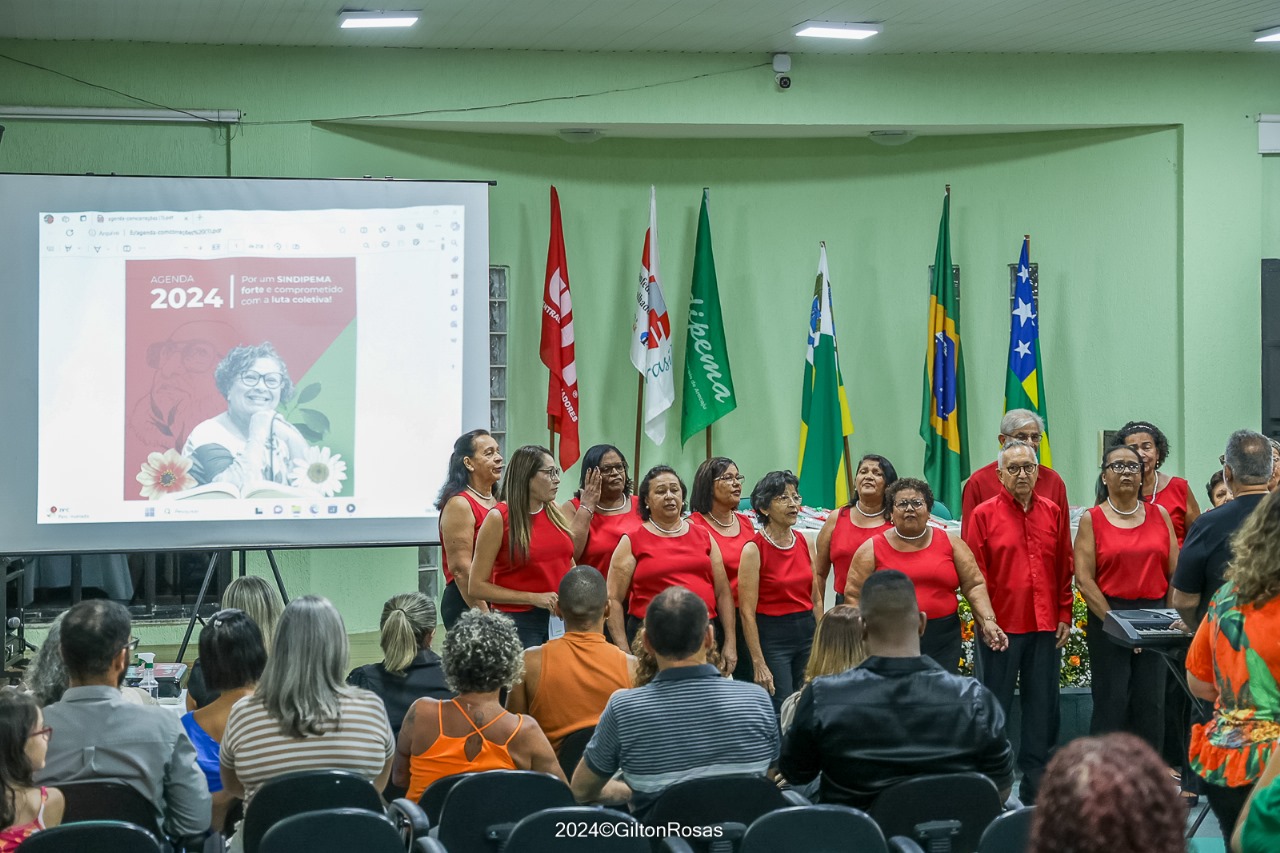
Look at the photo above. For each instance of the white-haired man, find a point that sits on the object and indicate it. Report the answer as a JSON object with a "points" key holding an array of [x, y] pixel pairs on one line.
{"points": [[984, 484]]}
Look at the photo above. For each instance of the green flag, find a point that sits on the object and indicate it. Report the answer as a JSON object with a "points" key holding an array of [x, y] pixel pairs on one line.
{"points": [[708, 383], [942, 416], [824, 408]]}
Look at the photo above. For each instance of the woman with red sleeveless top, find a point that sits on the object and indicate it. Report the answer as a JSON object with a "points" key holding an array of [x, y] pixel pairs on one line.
{"points": [[524, 547], [1164, 490], [475, 466], [846, 530], [1125, 551], [937, 564], [713, 504], [603, 508], [665, 551], [778, 598]]}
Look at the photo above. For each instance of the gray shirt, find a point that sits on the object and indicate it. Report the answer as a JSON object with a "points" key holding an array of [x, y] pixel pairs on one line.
{"points": [[98, 735]]}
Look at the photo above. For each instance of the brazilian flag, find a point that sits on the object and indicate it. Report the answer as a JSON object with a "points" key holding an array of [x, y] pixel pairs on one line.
{"points": [[942, 423], [1024, 382]]}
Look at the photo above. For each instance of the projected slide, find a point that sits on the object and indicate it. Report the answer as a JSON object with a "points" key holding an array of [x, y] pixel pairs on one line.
{"points": [[250, 365]]}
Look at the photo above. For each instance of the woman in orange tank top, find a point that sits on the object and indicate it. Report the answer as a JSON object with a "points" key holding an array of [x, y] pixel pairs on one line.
{"points": [[473, 732]]}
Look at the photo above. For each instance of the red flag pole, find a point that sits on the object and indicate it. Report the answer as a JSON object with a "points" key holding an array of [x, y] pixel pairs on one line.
{"points": [[635, 460]]}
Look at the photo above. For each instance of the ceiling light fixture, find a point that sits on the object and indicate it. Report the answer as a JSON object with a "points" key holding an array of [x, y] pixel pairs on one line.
{"points": [[891, 137], [1268, 35], [837, 30], [351, 20], [580, 134]]}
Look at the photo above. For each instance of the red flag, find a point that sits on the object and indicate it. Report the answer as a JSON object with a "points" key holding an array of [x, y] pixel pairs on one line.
{"points": [[556, 347]]}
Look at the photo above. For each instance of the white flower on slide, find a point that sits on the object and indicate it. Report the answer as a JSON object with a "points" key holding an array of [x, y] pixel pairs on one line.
{"points": [[321, 471], [165, 473]]}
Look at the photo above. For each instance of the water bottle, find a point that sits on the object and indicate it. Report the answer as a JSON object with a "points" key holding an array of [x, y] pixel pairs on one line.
{"points": [[148, 682]]}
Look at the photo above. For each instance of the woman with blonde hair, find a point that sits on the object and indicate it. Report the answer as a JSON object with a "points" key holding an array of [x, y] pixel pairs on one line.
{"points": [[262, 604], [524, 547], [409, 669], [837, 646]]}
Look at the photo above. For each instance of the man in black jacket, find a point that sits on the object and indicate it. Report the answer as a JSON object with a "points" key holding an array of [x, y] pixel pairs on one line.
{"points": [[897, 715]]}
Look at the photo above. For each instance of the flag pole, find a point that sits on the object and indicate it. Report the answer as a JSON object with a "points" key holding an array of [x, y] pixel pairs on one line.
{"points": [[848, 468], [635, 460], [708, 441], [551, 429]]}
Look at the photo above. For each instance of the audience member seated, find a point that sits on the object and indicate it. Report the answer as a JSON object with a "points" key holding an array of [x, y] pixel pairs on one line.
{"points": [[1107, 794], [24, 739], [262, 603], [303, 716], [47, 677], [647, 664], [100, 736], [897, 715], [234, 657], [472, 732], [837, 646], [568, 680], [687, 723], [409, 669]]}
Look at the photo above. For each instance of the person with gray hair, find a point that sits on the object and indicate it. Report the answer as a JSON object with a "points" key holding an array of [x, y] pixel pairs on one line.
{"points": [[985, 484], [302, 715], [472, 732]]}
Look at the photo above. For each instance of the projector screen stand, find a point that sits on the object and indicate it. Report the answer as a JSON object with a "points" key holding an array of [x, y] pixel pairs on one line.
{"points": [[204, 588]]}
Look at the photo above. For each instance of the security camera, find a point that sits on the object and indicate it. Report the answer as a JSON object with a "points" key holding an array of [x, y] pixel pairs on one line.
{"points": [[781, 67], [783, 81]]}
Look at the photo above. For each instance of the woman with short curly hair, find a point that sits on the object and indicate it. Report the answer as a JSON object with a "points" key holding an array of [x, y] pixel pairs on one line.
{"points": [[472, 732]]}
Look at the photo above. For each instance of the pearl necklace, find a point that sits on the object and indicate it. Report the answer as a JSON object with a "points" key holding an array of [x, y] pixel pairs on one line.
{"points": [[679, 528], [1122, 512], [620, 505], [1155, 491], [920, 535], [774, 542], [723, 525], [858, 506], [480, 494]]}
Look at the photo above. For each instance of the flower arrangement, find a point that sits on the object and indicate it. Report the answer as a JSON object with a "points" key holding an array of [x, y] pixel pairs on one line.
{"points": [[1075, 656]]}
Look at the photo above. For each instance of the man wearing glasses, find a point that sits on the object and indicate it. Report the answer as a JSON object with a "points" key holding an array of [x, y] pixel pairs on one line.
{"points": [[985, 483], [1022, 545]]}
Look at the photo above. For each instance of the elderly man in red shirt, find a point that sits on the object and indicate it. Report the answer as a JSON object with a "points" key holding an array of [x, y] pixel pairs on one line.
{"points": [[1021, 425], [1022, 543]]}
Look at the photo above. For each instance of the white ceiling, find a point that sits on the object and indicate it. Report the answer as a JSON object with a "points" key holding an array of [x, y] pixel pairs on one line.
{"points": [[721, 26]]}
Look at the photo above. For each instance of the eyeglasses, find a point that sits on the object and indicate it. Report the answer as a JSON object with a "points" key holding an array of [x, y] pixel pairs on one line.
{"points": [[553, 473], [731, 478], [915, 503], [253, 377], [133, 643], [1124, 467], [1029, 468], [790, 499], [47, 731], [613, 469], [1028, 437]]}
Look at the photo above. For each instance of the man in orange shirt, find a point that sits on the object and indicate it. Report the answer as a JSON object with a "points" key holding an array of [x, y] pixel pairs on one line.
{"points": [[568, 680]]}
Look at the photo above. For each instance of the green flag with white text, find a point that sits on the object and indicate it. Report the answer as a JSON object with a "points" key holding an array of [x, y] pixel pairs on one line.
{"points": [[708, 383]]}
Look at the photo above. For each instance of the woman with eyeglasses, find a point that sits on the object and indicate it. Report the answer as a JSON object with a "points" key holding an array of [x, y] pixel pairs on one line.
{"points": [[1159, 488], [1125, 552], [25, 807], [713, 506], [846, 530], [665, 551], [468, 493], [778, 597], [524, 548], [250, 441], [936, 564], [603, 508]]}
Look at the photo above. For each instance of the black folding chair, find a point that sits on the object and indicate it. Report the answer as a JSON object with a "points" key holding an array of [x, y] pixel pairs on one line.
{"points": [[432, 799], [731, 803], [945, 813], [305, 791], [333, 831], [113, 835], [576, 829], [482, 808], [814, 829], [109, 801], [572, 747], [1008, 833]]}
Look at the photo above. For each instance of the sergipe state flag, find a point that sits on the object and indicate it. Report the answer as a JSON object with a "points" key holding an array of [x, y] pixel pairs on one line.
{"points": [[651, 335], [556, 345], [824, 406], [1024, 381], [942, 417]]}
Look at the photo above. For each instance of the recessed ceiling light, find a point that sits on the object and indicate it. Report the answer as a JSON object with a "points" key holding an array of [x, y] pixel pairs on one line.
{"points": [[1270, 35], [837, 30], [364, 20]]}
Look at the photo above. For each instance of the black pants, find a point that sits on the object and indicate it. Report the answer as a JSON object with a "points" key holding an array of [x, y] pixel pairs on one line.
{"points": [[451, 604], [1128, 688], [941, 641], [744, 671], [1226, 803], [785, 642], [1033, 662], [533, 626]]}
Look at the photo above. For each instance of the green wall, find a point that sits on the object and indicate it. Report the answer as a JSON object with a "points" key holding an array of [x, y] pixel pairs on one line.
{"points": [[1148, 219]]}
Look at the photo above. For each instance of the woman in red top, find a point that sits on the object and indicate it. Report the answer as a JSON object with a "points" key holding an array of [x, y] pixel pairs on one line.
{"points": [[475, 466], [1125, 552], [937, 564], [778, 597], [713, 504], [524, 547], [668, 551], [1164, 490], [846, 530], [603, 508]]}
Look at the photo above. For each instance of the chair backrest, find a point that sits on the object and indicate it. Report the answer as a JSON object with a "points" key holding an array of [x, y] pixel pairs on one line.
{"points": [[305, 791], [481, 808], [432, 799], [969, 799], [113, 835], [731, 802], [1008, 833], [333, 831], [571, 748], [104, 800], [575, 829], [814, 829]]}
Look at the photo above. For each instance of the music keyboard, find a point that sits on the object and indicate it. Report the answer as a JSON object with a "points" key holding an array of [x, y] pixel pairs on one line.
{"points": [[1144, 628]]}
